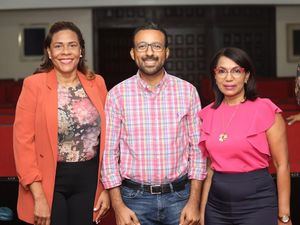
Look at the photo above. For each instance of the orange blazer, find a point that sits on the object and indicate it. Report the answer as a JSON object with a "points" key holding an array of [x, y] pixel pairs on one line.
{"points": [[36, 131]]}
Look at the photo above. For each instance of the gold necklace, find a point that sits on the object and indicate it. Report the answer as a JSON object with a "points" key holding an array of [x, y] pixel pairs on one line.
{"points": [[224, 135]]}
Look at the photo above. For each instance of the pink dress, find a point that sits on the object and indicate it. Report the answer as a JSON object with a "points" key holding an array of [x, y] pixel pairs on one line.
{"points": [[245, 147]]}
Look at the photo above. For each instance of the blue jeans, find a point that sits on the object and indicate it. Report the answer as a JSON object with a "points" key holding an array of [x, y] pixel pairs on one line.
{"points": [[154, 209]]}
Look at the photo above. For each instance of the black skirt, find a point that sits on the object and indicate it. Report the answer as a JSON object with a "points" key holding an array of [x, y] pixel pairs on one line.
{"points": [[242, 198]]}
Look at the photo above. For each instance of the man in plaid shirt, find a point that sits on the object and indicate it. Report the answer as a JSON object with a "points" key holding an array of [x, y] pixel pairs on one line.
{"points": [[152, 165]]}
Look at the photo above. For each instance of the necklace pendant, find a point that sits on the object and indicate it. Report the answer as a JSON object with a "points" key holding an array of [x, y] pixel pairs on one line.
{"points": [[223, 137]]}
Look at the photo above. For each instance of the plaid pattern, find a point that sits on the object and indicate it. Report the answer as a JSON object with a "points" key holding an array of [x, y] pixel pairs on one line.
{"points": [[152, 133]]}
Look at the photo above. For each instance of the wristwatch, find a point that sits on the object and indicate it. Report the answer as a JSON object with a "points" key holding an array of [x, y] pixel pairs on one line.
{"points": [[284, 218]]}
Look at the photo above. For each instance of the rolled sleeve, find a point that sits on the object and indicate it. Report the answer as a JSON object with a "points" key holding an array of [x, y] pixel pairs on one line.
{"points": [[24, 136], [110, 166], [197, 161], [28, 179]]}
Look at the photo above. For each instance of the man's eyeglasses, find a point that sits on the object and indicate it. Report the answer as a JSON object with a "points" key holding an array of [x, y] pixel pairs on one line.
{"points": [[155, 46], [236, 72]]}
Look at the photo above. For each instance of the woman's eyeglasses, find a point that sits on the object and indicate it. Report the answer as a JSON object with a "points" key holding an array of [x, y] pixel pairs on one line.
{"points": [[236, 72]]}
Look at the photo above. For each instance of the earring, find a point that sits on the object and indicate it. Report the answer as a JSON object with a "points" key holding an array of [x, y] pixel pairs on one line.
{"points": [[80, 56], [50, 57]]}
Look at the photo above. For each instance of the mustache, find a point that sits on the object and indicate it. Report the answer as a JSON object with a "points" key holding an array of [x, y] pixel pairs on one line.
{"points": [[150, 58]]}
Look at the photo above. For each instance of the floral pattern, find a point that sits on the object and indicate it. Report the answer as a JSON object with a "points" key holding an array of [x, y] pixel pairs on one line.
{"points": [[78, 125]]}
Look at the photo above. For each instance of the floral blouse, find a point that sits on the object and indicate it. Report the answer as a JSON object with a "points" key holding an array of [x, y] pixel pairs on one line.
{"points": [[78, 125]]}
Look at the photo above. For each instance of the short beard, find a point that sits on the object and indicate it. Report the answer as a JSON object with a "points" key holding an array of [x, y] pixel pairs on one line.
{"points": [[151, 73], [154, 72]]}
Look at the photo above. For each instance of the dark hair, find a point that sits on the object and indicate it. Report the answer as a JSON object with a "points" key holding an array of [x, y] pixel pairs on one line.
{"points": [[151, 26], [241, 58], [47, 64]]}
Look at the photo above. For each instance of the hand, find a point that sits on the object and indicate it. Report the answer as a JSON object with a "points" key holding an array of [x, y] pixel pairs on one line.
{"points": [[202, 221], [292, 119], [102, 205], [190, 214], [41, 211], [125, 216], [281, 223], [202, 218]]}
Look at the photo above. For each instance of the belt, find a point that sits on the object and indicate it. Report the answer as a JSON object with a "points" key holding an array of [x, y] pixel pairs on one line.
{"points": [[177, 185]]}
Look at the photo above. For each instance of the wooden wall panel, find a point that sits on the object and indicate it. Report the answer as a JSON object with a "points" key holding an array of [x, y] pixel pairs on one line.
{"points": [[195, 34]]}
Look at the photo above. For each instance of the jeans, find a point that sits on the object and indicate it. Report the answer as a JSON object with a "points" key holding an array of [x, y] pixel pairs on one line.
{"points": [[154, 209]]}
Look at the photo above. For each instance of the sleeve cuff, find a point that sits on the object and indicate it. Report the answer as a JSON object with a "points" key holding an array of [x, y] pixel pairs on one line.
{"points": [[111, 181], [29, 179]]}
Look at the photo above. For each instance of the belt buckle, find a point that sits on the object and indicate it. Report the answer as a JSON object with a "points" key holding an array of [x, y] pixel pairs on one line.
{"points": [[153, 192]]}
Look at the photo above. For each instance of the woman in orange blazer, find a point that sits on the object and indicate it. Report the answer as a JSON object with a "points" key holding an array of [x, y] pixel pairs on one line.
{"points": [[59, 135]]}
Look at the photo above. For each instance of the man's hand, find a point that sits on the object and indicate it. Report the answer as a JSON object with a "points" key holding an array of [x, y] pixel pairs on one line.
{"points": [[125, 216], [190, 215]]}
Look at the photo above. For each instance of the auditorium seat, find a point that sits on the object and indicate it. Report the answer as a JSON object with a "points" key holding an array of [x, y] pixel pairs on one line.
{"points": [[7, 110], [9, 92], [7, 118], [7, 164]]}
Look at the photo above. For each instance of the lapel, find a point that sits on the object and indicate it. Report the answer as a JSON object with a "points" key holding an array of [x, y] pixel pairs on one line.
{"points": [[92, 91], [51, 111]]}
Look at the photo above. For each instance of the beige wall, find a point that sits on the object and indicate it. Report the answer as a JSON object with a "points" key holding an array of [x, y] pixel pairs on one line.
{"points": [[285, 15], [11, 63]]}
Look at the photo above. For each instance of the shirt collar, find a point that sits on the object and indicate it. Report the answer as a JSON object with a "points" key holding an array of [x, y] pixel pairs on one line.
{"points": [[154, 89]]}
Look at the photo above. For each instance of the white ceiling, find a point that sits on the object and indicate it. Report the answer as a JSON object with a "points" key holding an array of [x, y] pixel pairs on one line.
{"points": [[39, 4]]}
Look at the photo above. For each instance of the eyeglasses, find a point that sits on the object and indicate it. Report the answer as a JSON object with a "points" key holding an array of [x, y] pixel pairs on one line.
{"points": [[236, 72], [155, 46]]}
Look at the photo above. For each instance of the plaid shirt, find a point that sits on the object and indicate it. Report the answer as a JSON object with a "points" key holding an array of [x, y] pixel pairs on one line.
{"points": [[152, 133]]}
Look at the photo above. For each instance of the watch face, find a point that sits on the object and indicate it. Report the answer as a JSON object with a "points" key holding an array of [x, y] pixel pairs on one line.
{"points": [[285, 219]]}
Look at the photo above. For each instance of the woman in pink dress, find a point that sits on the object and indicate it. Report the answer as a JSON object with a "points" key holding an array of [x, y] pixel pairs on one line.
{"points": [[240, 133]]}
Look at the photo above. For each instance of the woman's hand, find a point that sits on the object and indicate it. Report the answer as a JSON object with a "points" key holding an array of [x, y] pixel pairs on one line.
{"points": [[41, 211], [281, 223], [102, 205], [41, 206], [202, 217], [292, 119]]}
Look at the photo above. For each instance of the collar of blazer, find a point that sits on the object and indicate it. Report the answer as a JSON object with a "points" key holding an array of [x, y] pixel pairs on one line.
{"points": [[88, 86], [91, 90], [52, 80]]}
